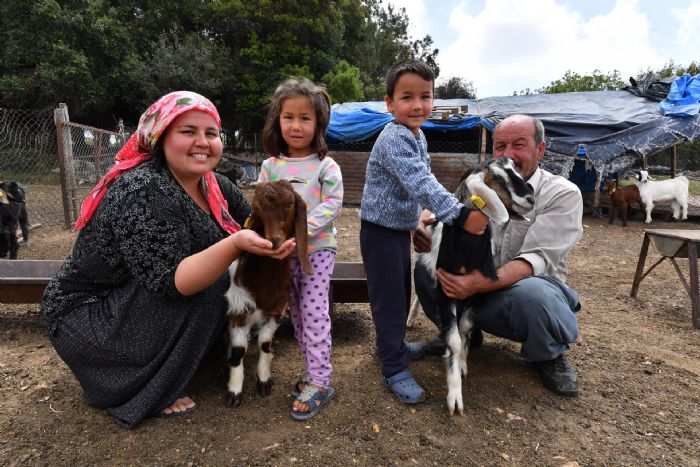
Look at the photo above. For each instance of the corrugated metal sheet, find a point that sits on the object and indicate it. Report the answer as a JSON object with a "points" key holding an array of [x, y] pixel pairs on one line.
{"points": [[447, 167]]}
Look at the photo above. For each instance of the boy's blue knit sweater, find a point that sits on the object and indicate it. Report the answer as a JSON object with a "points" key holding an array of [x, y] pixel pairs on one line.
{"points": [[399, 183]]}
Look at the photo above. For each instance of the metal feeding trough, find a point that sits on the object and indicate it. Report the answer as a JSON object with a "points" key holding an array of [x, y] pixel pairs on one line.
{"points": [[24, 281]]}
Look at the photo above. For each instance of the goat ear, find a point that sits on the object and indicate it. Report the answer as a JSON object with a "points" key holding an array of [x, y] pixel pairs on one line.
{"points": [[301, 233], [256, 224], [493, 206]]}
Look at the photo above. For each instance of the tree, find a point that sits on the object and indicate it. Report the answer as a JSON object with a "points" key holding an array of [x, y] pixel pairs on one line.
{"points": [[108, 59], [343, 84], [574, 82], [670, 69], [455, 88]]}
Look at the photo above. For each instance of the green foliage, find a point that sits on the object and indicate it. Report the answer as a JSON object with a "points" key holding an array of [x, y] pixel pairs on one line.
{"points": [[455, 88], [109, 59], [671, 69], [575, 82], [177, 63], [343, 84]]}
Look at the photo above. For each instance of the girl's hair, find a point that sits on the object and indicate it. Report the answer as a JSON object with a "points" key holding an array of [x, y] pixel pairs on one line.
{"points": [[273, 142]]}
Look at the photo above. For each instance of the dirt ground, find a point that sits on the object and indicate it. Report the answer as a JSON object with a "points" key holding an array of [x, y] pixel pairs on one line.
{"points": [[638, 362]]}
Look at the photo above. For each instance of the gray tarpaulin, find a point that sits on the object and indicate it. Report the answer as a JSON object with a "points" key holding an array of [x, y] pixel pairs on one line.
{"points": [[611, 129]]}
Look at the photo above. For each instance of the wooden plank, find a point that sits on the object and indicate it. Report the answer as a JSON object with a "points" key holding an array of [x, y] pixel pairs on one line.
{"points": [[24, 281], [447, 167]]}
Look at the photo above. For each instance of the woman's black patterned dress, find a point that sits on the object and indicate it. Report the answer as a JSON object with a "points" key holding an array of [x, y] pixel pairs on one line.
{"points": [[113, 312]]}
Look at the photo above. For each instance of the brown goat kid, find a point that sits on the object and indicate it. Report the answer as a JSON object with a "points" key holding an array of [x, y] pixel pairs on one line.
{"points": [[621, 198], [259, 291]]}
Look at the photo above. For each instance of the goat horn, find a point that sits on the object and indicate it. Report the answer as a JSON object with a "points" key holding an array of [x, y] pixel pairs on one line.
{"points": [[493, 207]]}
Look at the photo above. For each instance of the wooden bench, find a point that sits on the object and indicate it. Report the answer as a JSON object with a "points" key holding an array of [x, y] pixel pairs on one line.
{"points": [[24, 281]]}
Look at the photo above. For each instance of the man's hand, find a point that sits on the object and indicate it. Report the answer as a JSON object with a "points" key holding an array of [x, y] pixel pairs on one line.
{"points": [[422, 241], [476, 222], [462, 286]]}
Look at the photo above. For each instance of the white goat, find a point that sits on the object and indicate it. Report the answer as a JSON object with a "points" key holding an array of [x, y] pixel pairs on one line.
{"points": [[674, 190]]}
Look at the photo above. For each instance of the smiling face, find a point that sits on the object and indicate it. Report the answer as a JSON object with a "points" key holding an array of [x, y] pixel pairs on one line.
{"points": [[412, 101], [298, 125], [192, 145], [514, 138]]}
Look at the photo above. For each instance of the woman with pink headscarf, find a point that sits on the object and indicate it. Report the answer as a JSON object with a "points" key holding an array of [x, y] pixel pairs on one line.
{"points": [[140, 300]]}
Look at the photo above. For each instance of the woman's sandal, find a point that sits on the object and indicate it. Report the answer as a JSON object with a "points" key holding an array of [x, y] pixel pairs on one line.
{"points": [[299, 386], [404, 387], [315, 398]]}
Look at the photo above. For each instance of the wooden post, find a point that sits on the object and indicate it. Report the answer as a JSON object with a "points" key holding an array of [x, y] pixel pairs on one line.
{"points": [[640, 266], [694, 289], [596, 193], [65, 161], [482, 148]]}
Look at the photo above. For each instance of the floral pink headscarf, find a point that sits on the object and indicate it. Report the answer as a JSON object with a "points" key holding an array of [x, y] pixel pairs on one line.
{"points": [[140, 146]]}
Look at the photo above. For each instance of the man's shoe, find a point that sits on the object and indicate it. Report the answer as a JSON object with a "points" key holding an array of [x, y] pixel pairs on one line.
{"points": [[559, 376], [436, 347]]}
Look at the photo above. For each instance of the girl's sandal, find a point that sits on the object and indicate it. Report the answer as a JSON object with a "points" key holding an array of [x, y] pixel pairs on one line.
{"points": [[299, 386], [315, 398]]}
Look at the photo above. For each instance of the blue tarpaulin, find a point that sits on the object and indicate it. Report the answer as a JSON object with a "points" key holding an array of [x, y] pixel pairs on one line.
{"points": [[613, 127], [683, 98]]}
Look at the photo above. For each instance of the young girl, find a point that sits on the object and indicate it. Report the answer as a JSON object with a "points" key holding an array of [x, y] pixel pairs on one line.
{"points": [[294, 131]]}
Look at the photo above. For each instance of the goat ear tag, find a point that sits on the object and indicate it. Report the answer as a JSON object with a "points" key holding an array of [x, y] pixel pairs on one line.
{"points": [[248, 221], [478, 202]]}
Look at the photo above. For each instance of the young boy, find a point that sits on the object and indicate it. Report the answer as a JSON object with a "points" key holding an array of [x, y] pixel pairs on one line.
{"points": [[398, 185]]}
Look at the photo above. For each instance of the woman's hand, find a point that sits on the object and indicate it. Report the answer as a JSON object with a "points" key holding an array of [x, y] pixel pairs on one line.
{"points": [[422, 240], [250, 241]]}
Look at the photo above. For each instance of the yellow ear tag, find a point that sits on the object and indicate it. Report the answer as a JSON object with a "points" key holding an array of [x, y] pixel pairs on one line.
{"points": [[478, 202], [248, 221], [613, 190]]}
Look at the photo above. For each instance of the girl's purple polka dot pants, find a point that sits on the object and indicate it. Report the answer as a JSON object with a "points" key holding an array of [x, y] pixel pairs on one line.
{"points": [[309, 312]]}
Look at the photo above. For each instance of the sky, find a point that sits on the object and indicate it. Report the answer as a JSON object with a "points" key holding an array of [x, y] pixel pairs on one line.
{"points": [[503, 46]]}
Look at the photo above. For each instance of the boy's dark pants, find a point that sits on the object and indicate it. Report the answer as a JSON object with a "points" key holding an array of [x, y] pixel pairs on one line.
{"points": [[386, 254]]}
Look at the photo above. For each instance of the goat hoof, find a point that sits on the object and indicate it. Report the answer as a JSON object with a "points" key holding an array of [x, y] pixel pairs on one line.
{"points": [[454, 404], [265, 387], [234, 400]]}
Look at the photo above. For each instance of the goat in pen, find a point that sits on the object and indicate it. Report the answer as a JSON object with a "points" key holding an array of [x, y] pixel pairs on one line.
{"points": [[620, 200], [674, 190], [259, 291], [501, 193]]}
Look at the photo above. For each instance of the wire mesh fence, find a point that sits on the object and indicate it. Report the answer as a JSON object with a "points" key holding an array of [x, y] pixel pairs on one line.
{"points": [[31, 149], [28, 146], [28, 155], [86, 154]]}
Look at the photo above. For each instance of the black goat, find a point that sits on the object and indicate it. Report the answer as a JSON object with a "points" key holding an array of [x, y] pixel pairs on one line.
{"points": [[505, 195], [13, 215]]}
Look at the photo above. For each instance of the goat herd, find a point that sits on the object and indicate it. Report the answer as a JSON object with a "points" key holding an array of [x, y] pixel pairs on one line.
{"points": [[13, 216], [645, 192]]}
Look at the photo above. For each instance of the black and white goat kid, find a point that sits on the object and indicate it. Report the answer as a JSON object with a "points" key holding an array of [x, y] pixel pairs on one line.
{"points": [[505, 195], [13, 215]]}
